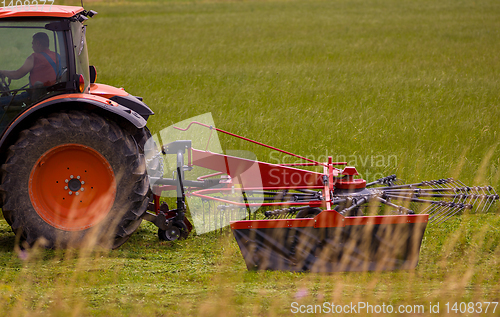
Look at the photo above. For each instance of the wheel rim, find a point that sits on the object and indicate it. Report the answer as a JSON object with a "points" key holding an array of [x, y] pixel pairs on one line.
{"points": [[72, 187], [173, 233]]}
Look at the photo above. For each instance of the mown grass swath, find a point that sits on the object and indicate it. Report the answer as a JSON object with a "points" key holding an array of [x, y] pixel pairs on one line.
{"points": [[406, 88]]}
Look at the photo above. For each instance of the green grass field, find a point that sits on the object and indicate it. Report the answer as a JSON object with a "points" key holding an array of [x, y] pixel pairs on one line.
{"points": [[394, 87]]}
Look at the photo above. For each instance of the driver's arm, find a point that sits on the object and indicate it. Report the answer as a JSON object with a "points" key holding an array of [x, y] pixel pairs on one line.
{"points": [[21, 72]]}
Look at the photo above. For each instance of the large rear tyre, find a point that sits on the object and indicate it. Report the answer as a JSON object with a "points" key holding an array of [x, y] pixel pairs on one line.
{"points": [[75, 179]]}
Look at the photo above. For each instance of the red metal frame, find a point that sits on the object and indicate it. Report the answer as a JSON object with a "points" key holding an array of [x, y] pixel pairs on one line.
{"points": [[204, 194], [256, 142], [328, 219], [270, 176], [107, 91]]}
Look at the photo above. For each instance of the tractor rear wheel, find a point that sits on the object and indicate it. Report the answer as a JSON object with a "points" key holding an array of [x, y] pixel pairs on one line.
{"points": [[75, 179]]}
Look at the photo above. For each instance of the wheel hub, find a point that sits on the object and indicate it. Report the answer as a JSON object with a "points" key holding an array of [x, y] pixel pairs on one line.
{"points": [[72, 187], [74, 184], [173, 233]]}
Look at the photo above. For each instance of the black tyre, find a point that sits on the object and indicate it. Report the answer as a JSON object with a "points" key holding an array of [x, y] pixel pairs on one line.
{"points": [[179, 231], [308, 213], [75, 179]]}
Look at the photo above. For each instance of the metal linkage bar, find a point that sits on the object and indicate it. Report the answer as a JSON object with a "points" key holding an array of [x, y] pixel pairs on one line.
{"points": [[356, 204], [388, 180], [416, 185], [256, 142], [400, 209]]}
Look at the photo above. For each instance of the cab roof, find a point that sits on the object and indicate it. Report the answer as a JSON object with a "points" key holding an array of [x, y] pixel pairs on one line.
{"points": [[58, 11]]}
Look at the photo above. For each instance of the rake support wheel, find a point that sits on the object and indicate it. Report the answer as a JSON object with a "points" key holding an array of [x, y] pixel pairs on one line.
{"points": [[178, 231], [75, 179]]}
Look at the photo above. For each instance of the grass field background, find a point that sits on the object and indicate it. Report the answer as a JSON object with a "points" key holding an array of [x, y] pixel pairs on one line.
{"points": [[404, 87]]}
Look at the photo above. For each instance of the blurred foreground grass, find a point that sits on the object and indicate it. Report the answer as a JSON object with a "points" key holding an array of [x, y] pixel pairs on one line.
{"points": [[206, 276], [405, 87]]}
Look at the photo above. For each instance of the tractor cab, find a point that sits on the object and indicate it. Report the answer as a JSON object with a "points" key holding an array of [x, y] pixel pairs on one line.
{"points": [[40, 57]]}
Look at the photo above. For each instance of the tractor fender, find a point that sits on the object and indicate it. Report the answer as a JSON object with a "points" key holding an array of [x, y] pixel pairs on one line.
{"points": [[122, 97], [94, 103]]}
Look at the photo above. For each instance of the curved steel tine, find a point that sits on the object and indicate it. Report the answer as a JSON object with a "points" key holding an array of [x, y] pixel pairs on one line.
{"points": [[445, 213], [439, 222]]}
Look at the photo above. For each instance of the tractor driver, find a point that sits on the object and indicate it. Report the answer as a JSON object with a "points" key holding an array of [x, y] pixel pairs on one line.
{"points": [[42, 65]]}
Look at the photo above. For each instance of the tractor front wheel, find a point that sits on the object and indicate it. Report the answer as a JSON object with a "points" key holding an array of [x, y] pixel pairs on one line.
{"points": [[75, 179]]}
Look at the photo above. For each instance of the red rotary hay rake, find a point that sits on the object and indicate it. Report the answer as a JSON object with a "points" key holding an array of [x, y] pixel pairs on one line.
{"points": [[314, 221]]}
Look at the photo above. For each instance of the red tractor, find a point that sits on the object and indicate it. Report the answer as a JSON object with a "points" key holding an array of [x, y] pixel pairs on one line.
{"points": [[71, 150]]}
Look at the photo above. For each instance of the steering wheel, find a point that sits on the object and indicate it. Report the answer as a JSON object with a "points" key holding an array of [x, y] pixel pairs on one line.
{"points": [[4, 86]]}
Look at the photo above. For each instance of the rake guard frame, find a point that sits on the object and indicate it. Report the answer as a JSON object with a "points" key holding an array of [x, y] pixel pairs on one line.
{"points": [[331, 242]]}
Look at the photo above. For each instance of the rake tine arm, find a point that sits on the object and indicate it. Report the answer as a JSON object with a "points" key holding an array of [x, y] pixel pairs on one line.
{"points": [[441, 182], [357, 203], [432, 190], [461, 188], [283, 213], [403, 186], [434, 209], [388, 180], [263, 192], [402, 210], [439, 208], [414, 199], [417, 194], [436, 184], [372, 183], [277, 198], [462, 184], [308, 191], [336, 201]]}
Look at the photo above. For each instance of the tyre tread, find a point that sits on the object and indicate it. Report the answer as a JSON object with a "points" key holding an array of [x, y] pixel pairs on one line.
{"points": [[75, 123]]}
